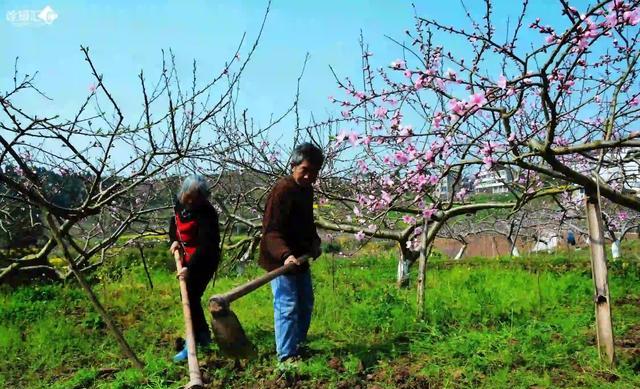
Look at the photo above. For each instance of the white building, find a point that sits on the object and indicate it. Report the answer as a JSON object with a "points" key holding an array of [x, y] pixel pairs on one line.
{"points": [[444, 187], [623, 169], [493, 181], [620, 169]]}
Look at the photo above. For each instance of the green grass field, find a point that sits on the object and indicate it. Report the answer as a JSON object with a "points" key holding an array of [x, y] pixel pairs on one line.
{"points": [[521, 323]]}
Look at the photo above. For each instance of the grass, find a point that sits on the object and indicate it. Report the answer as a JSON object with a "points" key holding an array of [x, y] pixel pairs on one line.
{"points": [[490, 323]]}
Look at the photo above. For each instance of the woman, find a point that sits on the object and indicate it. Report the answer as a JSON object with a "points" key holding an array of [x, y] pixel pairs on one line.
{"points": [[194, 231]]}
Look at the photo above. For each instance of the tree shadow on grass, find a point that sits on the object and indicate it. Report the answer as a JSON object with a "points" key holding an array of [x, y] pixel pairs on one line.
{"points": [[320, 346], [263, 369], [369, 354]]}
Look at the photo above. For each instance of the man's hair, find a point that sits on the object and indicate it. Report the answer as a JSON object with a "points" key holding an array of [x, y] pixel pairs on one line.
{"points": [[194, 184], [307, 151]]}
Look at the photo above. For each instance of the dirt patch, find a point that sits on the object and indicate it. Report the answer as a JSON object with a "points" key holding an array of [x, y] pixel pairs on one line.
{"points": [[629, 347], [106, 372], [560, 377], [290, 381], [627, 300], [607, 376], [633, 358], [402, 375], [482, 245], [336, 364], [351, 384], [631, 338]]}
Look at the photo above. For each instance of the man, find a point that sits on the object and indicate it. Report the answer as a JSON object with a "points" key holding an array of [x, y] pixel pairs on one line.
{"points": [[288, 232], [571, 238]]}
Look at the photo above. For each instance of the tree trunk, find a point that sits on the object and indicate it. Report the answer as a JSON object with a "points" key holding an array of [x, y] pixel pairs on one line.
{"points": [[514, 252], [615, 249], [604, 325], [422, 271], [461, 252], [404, 263], [513, 238], [402, 279], [514, 249], [126, 349]]}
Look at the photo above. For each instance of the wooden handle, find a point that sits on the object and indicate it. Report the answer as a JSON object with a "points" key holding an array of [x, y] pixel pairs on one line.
{"points": [[195, 378], [252, 285]]}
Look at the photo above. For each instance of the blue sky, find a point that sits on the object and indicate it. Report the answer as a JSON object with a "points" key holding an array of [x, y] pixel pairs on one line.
{"points": [[126, 36]]}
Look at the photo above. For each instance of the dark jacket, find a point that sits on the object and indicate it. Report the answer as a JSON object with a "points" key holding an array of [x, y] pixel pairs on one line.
{"points": [[287, 225], [207, 241]]}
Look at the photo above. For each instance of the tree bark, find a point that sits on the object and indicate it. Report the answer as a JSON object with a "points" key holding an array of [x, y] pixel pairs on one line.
{"points": [[144, 262], [422, 271], [513, 240], [514, 249], [604, 324], [461, 252], [407, 257], [402, 279], [615, 249]]}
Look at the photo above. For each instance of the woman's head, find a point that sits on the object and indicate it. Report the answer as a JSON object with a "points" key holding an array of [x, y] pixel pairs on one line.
{"points": [[194, 191]]}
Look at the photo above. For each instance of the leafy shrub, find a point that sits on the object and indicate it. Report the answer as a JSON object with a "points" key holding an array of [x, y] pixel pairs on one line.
{"points": [[331, 247]]}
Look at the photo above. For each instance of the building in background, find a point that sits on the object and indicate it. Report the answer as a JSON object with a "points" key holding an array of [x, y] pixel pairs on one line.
{"points": [[494, 181], [623, 169], [447, 185]]}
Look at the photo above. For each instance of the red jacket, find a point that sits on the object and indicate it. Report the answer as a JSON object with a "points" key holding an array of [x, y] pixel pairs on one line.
{"points": [[199, 234]]}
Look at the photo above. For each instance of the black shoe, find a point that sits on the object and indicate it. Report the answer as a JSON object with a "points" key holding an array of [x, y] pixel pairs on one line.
{"points": [[305, 351]]}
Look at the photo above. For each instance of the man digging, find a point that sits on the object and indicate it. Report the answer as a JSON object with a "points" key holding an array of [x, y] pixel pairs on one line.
{"points": [[288, 232]]}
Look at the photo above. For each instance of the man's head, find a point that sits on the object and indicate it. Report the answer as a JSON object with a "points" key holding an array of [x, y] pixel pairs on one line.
{"points": [[193, 192], [306, 162]]}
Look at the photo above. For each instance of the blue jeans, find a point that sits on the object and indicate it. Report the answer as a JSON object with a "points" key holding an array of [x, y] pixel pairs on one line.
{"points": [[292, 307]]}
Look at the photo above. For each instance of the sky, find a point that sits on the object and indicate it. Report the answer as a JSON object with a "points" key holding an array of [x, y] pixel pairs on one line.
{"points": [[127, 36]]}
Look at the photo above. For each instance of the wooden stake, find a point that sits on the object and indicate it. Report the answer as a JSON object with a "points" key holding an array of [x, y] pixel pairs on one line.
{"points": [[195, 378], [422, 272], [604, 324]]}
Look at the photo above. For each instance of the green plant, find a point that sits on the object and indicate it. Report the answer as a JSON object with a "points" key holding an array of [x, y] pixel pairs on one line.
{"points": [[489, 323]]}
